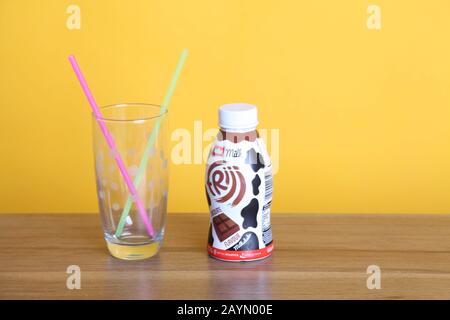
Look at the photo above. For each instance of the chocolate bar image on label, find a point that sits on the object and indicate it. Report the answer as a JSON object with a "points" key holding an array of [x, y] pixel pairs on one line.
{"points": [[224, 226]]}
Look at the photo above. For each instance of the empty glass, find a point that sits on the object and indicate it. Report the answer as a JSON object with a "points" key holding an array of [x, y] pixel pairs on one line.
{"points": [[124, 230]]}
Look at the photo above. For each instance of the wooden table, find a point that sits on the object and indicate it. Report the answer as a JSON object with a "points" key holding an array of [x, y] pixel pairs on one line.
{"points": [[315, 257]]}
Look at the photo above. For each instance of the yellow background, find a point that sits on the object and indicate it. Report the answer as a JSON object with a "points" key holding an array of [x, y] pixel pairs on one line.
{"points": [[363, 114]]}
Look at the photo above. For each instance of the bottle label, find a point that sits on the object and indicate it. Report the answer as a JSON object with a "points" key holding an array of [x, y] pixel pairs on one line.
{"points": [[239, 187]]}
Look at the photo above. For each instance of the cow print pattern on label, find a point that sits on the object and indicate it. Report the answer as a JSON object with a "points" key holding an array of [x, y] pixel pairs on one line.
{"points": [[249, 214], [249, 241], [255, 160], [256, 182]]}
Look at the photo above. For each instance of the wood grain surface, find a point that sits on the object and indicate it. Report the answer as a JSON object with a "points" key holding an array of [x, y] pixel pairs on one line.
{"points": [[315, 257]]}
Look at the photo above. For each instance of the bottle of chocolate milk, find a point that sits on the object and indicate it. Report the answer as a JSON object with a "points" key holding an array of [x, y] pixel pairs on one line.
{"points": [[239, 187]]}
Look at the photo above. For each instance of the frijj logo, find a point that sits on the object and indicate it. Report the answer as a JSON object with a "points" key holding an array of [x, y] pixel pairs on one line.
{"points": [[225, 182]]}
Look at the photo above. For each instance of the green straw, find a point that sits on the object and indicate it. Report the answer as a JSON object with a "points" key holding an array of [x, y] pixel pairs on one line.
{"points": [[151, 141]]}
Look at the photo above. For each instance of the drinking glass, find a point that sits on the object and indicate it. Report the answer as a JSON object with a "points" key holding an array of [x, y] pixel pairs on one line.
{"points": [[131, 125]]}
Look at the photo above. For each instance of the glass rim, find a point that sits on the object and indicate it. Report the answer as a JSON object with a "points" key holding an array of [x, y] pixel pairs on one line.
{"points": [[130, 104]]}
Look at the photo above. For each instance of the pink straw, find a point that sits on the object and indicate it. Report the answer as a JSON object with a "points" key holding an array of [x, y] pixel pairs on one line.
{"points": [[112, 145]]}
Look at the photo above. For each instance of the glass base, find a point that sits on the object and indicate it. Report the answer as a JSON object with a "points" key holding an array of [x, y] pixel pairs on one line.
{"points": [[133, 252]]}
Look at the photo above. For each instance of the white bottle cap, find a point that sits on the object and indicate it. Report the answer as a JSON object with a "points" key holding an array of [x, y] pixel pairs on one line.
{"points": [[240, 117]]}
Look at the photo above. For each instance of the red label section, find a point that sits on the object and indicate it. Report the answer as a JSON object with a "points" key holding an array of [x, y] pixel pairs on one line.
{"points": [[240, 255]]}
